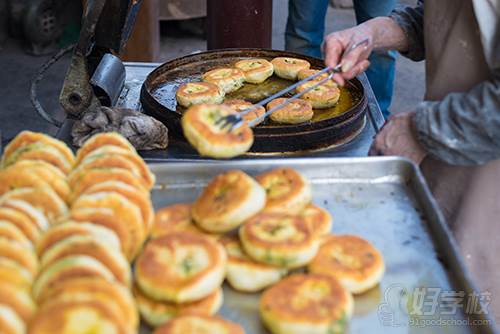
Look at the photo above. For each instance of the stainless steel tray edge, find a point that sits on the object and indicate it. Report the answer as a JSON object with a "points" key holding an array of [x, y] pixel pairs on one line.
{"points": [[448, 245]]}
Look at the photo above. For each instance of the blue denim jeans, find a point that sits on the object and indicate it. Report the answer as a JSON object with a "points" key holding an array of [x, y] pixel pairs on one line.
{"points": [[305, 31]]}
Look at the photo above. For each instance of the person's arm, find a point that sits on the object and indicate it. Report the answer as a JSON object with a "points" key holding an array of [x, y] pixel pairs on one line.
{"points": [[402, 31], [411, 21], [463, 128]]}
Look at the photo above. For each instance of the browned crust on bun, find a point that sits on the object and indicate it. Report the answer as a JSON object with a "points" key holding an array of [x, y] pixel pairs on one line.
{"points": [[227, 201], [35, 215], [18, 299], [53, 317], [21, 221], [287, 190], [46, 172], [256, 70], [28, 137], [14, 274], [10, 321], [242, 105], [107, 161], [232, 243], [270, 223], [123, 209], [200, 128], [192, 93], [87, 245], [107, 218], [11, 178], [354, 261], [69, 268], [288, 68], [306, 298], [178, 261], [309, 72], [116, 157], [279, 239], [67, 229], [95, 285], [42, 198], [140, 198], [321, 97], [39, 152], [84, 179], [295, 112], [102, 139], [227, 79], [173, 218], [154, 311], [11, 232], [196, 324], [318, 219], [22, 255]]}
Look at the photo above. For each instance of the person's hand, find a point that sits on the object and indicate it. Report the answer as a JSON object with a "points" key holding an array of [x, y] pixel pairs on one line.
{"points": [[337, 50], [397, 137], [383, 33]]}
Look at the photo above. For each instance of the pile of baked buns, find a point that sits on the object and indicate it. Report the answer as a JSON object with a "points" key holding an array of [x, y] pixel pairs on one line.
{"points": [[73, 227], [206, 103], [70, 226], [33, 194], [275, 240]]}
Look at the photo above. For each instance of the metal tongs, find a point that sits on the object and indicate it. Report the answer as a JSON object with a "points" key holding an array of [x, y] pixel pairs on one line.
{"points": [[234, 121]]}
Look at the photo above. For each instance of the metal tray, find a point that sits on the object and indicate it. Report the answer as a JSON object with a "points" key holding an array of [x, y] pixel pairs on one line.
{"points": [[384, 200]]}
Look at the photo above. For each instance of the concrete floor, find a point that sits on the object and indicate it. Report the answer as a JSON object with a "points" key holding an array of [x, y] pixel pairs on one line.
{"points": [[17, 68]]}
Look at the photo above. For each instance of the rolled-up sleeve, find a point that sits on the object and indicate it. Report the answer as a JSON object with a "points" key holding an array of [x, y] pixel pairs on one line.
{"points": [[463, 128], [411, 20]]}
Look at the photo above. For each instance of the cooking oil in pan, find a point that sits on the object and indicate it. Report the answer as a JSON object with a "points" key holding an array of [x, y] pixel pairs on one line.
{"points": [[346, 100], [257, 92]]}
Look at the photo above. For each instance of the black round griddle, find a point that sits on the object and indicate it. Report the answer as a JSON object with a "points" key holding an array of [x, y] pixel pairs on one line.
{"points": [[158, 100]]}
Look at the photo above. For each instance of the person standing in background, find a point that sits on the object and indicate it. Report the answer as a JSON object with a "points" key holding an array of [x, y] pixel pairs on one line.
{"points": [[305, 30]]}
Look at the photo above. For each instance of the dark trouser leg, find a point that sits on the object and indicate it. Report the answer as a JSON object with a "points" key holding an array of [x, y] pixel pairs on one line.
{"points": [[381, 71], [305, 26]]}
